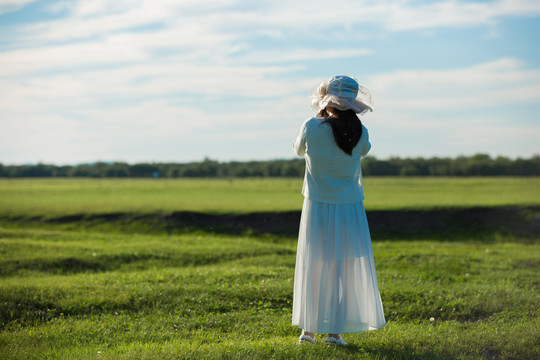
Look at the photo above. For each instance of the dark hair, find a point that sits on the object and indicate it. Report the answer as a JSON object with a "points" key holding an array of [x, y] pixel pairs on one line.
{"points": [[346, 127]]}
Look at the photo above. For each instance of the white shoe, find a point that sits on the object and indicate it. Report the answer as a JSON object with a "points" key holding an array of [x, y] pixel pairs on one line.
{"points": [[333, 341], [306, 339]]}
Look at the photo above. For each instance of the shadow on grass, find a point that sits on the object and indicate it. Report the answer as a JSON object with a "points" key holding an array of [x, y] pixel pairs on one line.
{"points": [[72, 265], [194, 307], [519, 223], [387, 351], [69, 265]]}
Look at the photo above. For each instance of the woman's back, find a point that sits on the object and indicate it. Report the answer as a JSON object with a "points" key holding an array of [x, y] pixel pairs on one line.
{"points": [[335, 284], [331, 175]]}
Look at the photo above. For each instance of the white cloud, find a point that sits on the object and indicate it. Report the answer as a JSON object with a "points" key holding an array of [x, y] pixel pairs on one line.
{"points": [[7, 6], [196, 73], [126, 132], [463, 111], [67, 118], [89, 19], [457, 133], [516, 8], [305, 16], [500, 82], [299, 55]]}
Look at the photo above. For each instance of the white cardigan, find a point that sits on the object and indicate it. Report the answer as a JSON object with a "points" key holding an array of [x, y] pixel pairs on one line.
{"points": [[332, 176]]}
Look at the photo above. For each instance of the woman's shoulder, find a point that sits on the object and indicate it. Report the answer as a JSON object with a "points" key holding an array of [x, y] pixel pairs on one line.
{"points": [[311, 123], [314, 121], [365, 133]]}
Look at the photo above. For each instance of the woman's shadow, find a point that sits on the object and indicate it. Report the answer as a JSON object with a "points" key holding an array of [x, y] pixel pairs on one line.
{"points": [[388, 352]]}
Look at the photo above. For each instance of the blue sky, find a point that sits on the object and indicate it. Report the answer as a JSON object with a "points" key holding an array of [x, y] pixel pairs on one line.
{"points": [[164, 80]]}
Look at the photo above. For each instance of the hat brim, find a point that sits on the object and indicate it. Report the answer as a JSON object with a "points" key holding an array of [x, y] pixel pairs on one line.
{"points": [[341, 103]]}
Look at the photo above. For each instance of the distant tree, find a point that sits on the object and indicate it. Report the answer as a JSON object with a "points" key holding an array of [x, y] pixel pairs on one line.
{"points": [[476, 165], [62, 171], [524, 167], [117, 169], [81, 171], [440, 166], [143, 170], [373, 166]]}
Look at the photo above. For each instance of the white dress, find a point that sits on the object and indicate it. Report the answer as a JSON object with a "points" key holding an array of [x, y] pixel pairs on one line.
{"points": [[335, 284]]}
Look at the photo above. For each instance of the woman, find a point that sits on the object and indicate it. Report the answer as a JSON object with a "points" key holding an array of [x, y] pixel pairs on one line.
{"points": [[335, 285]]}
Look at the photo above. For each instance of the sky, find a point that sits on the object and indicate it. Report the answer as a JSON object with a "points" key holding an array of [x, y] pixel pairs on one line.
{"points": [[184, 80]]}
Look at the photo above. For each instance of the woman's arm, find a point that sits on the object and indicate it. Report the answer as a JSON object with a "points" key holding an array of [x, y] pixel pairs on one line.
{"points": [[300, 143], [366, 145]]}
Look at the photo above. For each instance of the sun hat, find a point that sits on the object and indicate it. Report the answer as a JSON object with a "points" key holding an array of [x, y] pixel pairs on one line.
{"points": [[343, 93]]}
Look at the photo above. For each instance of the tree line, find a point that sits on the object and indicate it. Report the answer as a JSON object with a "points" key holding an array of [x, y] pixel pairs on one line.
{"points": [[476, 165]]}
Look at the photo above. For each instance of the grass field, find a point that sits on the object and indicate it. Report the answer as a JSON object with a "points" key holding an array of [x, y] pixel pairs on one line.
{"points": [[55, 197], [95, 294]]}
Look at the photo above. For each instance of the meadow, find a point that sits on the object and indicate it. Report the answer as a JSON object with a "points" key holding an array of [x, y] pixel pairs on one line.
{"points": [[83, 292], [59, 197]]}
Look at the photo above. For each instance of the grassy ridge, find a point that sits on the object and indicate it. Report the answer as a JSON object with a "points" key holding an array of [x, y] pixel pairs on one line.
{"points": [[56, 197], [94, 295]]}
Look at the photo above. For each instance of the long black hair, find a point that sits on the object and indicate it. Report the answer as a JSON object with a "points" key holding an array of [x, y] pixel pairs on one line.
{"points": [[346, 127]]}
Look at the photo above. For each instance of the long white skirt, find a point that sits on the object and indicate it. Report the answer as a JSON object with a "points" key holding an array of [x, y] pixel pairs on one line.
{"points": [[335, 285]]}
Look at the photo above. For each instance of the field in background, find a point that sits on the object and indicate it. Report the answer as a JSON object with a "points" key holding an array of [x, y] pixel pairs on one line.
{"points": [[100, 293], [60, 197]]}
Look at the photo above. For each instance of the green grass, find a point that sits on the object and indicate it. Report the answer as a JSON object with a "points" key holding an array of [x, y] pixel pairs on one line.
{"points": [[71, 291], [58, 197], [431, 192], [99, 196], [68, 294]]}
